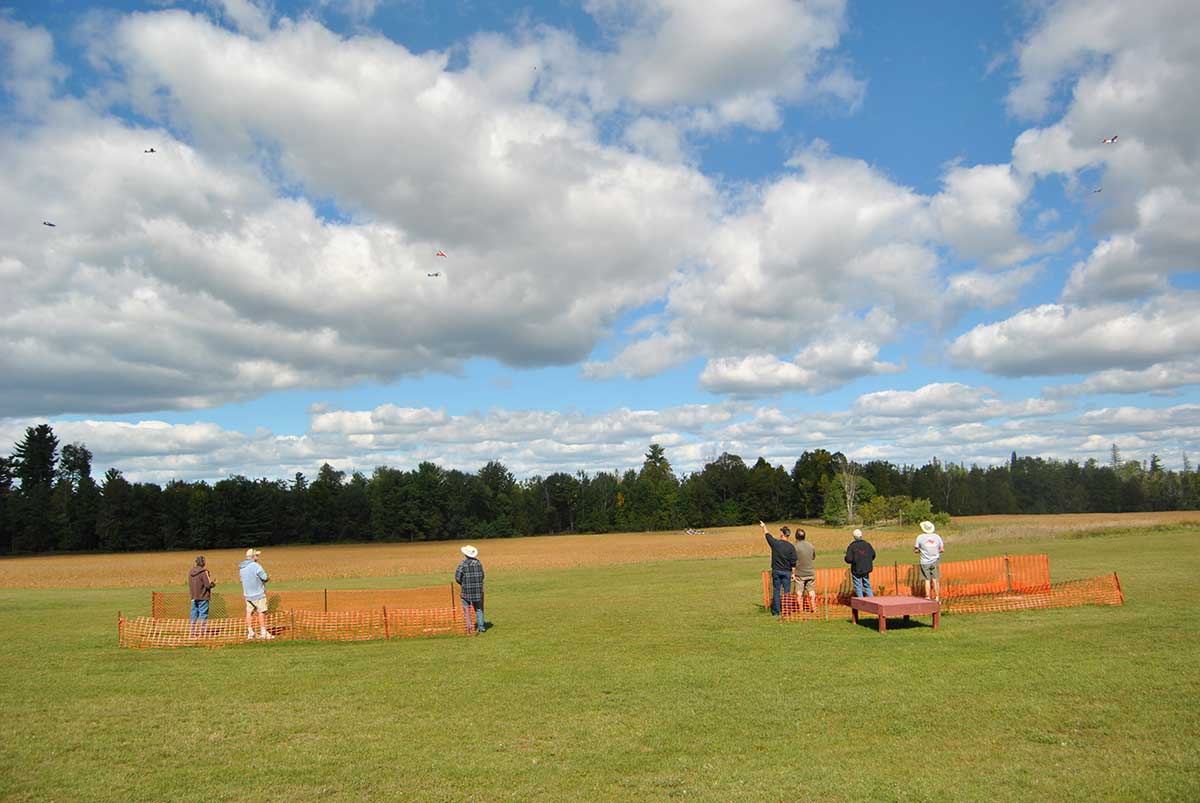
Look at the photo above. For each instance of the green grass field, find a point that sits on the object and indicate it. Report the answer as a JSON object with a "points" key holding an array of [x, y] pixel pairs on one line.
{"points": [[641, 682]]}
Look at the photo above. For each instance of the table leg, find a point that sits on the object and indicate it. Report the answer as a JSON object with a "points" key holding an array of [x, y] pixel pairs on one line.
{"points": [[937, 615], [882, 623], [854, 615], [906, 617]]}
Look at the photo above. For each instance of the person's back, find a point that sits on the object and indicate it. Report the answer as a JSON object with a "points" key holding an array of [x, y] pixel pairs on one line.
{"points": [[252, 575], [930, 547], [783, 554], [806, 572], [806, 554], [469, 576], [861, 557], [783, 562], [199, 583]]}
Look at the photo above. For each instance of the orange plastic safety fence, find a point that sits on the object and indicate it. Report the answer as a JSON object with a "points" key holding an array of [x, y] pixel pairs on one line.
{"points": [[300, 625], [178, 604], [961, 578], [146, 631], [1104, 590]]}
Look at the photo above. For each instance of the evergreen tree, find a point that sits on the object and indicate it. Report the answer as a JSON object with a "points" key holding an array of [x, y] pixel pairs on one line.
{"points": [[33, 461]]}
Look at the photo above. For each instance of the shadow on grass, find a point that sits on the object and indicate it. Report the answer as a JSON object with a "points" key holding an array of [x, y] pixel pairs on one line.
{"points": [[894, 623]]}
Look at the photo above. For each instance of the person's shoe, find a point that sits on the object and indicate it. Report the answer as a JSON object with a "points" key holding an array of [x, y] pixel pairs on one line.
{"points": [[265, 635], [249, 635]]}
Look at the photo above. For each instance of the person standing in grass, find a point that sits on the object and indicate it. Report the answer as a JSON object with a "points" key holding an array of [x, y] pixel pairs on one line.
{"points": [[254, 589], [805, 574], [469, 576], [200, 584], [861, 557], [930, 547], [783, 566]]}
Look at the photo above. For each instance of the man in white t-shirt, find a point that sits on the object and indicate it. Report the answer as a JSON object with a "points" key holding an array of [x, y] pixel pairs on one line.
{"points": [[930, 547]]}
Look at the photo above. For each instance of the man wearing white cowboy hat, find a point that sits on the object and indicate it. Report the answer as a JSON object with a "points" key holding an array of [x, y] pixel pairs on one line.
{"points": [[930, 547], [469, 575]]}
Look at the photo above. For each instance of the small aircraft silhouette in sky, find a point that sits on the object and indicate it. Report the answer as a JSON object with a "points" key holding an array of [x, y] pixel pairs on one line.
{"points": [[1110, 140], [48, 223], [432, 275], [149, 150], [440, 254]]}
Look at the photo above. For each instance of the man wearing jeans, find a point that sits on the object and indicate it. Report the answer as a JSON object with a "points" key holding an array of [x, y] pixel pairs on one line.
{"points": [[469, 575], [861, 557], [783, 565], [200, 584]]}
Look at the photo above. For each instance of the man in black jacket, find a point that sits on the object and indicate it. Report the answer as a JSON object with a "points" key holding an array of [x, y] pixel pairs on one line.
{"points": [[861, 557], [783, 565]]}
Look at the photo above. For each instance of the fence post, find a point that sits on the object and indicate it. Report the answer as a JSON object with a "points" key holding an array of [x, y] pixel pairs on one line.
{"points": [[896, 579], [1007, 576], [386, 633], [293, 613], [326, 600], [120, 626]]}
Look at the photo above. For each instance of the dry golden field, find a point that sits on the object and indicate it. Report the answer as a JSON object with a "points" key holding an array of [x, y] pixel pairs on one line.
{"points": [[334, 561]]}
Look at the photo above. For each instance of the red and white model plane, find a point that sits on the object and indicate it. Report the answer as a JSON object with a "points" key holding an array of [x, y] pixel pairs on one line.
{"points": [[1110, 140]]}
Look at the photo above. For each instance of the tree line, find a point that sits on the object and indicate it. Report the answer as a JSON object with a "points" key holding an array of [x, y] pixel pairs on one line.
{"points": [[49, 500]]}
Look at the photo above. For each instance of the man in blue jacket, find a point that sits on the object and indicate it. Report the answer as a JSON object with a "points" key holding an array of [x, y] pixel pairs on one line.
{"points": [[254, 589]]}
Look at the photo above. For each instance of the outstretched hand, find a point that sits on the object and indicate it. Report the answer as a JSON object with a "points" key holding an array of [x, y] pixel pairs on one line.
{"points": [[760, 524]]}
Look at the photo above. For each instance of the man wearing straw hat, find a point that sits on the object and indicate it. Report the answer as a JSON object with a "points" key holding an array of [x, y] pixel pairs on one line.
{"points": [[930, 547], [469, 575]]}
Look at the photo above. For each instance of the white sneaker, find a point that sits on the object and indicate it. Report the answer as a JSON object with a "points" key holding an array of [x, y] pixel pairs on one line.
{"points": [[265, 635], [249, 635]]}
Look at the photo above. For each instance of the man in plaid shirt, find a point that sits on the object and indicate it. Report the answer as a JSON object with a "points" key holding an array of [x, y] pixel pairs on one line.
{"points": [[469, 575]]}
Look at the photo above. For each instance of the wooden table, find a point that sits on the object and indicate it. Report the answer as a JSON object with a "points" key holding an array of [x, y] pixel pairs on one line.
{"points": [[883, 607]]}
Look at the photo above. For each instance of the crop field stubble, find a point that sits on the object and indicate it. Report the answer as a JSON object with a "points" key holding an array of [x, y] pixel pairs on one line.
{"points": [[342, 562]]}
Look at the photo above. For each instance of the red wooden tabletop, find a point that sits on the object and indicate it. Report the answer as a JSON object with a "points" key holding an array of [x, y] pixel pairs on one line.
{"points": [[895, 606]]}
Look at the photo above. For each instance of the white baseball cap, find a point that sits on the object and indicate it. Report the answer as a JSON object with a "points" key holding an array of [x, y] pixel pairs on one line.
{"points": [[858, 533]]}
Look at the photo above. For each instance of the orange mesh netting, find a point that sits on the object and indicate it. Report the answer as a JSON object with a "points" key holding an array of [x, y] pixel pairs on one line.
{"points": [[1002, 583], [300, 625], [1104, 590], [145, 631], [178, 604]]}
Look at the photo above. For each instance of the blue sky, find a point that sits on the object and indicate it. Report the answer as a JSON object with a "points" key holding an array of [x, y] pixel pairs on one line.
{"points": [[757, 227]]}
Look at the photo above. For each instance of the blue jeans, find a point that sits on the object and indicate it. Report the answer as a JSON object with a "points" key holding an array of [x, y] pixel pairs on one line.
{"points": [[781, 583], [199, 614], [199, 610], [861, 585], [478, 615]]}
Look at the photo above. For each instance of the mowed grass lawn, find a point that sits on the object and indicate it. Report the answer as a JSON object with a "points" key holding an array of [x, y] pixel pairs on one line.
{"points": [[646, 681]]}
